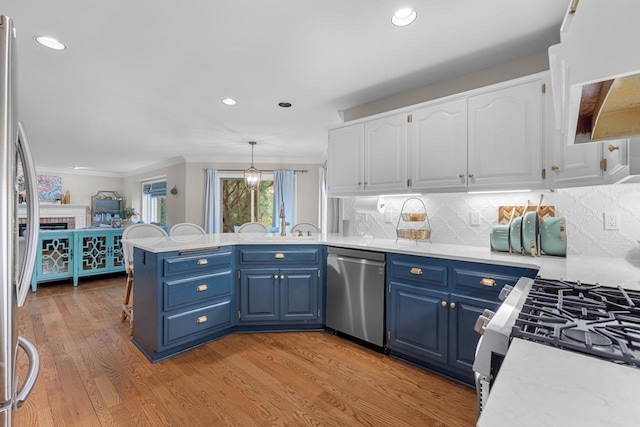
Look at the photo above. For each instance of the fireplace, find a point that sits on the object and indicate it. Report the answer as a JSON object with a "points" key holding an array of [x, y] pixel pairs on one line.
{"points": [[48, 225]]}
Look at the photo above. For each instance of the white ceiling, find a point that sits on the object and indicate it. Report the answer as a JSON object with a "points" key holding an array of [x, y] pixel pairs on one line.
{"points": [[141, 82]]}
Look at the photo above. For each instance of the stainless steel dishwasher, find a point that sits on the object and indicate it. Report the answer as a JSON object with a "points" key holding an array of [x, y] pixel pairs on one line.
{"points": [[355, 293]]}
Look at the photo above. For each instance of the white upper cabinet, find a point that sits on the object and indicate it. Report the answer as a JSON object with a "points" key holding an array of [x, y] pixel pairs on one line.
{"points": [[368, 157], [385, 154], [583, 164], [438, 146], [345, 165], [505, 138]]}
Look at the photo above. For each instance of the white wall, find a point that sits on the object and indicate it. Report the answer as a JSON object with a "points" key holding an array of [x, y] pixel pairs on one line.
{"points": [[82, 186], [449, 217]]}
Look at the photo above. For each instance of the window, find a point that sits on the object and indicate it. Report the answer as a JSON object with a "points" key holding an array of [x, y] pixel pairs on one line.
{"points": [[154, 202], [240, 205]]}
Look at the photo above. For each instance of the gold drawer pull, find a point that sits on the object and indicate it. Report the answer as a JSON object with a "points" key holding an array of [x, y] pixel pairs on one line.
{"points": [[452, 305], [203, 261], [487, 282], [279, 255], [563, 233], [275, 276], [201, 288], [201, 319], [443, 303], [416, 271]]}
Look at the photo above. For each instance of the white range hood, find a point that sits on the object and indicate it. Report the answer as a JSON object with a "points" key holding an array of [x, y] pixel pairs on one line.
{"points": [[595, 71]]}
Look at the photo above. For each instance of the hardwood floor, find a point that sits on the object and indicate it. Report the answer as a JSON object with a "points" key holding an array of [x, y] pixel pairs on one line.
{"points": [[92, 375]]}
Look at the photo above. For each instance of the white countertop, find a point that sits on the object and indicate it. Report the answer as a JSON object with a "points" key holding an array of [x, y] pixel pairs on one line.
{"points": [[604, 270], [540, 385]]}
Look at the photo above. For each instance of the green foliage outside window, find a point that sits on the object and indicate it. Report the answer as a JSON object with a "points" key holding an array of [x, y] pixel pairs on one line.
{"points": [[236, 203]]}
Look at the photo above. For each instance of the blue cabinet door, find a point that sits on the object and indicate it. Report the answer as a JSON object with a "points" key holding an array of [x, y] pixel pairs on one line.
{"points": [[299, 294], [259, 296], [98, 252], [417, 322], [54, 259], [463, 339]]}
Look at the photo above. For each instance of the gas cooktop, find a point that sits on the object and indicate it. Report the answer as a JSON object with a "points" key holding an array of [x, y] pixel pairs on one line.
{"points": [[593, 319]]}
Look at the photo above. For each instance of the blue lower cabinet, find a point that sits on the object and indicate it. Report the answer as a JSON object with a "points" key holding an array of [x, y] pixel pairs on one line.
{"points": [[463, 339], [417, 322], [259, 296], [433, 305], [182, 300], [299, 294], [270, 295]]}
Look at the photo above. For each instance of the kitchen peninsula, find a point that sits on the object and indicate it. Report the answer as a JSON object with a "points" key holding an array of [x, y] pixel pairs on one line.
{"points": [[201, 286]]}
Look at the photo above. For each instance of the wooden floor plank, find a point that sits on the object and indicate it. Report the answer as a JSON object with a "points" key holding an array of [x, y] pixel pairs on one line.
{"points": [[92, 375]]}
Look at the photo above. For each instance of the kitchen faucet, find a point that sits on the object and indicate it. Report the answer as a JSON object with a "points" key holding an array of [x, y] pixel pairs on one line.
{"points": [[283, 223]]}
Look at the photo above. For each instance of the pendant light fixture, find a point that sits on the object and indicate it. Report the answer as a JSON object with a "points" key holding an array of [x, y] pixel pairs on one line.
{"points": [[252, 175]]}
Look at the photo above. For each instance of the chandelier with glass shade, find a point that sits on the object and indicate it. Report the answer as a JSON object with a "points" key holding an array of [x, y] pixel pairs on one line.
{"points": [[252, 174]]}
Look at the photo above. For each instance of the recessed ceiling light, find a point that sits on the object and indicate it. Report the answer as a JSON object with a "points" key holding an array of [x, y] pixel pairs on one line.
{"points": [[284, 104], [50, 42], [229, 101], [404, 17]]}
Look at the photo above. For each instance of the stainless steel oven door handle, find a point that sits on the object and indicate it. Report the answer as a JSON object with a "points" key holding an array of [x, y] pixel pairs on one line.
{"points": [[33, 217], [32, 373]]}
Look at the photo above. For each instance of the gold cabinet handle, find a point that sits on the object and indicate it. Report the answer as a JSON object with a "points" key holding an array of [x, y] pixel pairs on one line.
{"points": [[470, 175], [279, 255], [275, 276], [452, 305], [443, 303], [563, 233], [533, 248], [555, 168], [201, 288], [485, 281], [415, 270], [359, 183], [612, 148], [282, 277], [201, 319], [203, 261], [461, 176]]}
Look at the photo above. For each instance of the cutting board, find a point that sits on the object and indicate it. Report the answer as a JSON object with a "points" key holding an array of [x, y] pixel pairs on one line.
{"points": [[504, 212]]}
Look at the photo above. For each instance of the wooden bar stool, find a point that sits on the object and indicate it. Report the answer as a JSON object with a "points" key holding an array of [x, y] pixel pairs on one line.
{"points": [[135, 231]]}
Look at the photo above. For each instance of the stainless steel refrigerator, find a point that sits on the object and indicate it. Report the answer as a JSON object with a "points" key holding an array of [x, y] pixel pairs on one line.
{"points": [[17, 254]]}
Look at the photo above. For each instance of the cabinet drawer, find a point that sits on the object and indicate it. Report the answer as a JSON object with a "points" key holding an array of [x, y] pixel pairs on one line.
{"points": [[486, 279], [193, 263], [182, 292], [201, 321], [428, 271], [278, 256]]}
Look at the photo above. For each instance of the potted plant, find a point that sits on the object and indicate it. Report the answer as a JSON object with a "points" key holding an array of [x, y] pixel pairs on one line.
{"points": [[126, 214]]}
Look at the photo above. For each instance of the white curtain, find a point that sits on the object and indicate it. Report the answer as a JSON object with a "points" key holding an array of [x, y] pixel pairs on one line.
{"points": [[284, 191], [212, 202]]}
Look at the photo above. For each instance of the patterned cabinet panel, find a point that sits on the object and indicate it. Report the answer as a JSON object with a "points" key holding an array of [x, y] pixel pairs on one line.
{"points": [[54, 259], [98, 251]]}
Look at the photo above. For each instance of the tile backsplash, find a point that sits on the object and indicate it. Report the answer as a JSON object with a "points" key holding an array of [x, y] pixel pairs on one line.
{"points": [[450, 217]]}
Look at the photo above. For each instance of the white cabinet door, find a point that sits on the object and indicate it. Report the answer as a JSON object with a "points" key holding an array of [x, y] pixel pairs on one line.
{"points": [[615, 153], [385, 154], [345, 164], [505, 138], [438, 146], [574, 165]]}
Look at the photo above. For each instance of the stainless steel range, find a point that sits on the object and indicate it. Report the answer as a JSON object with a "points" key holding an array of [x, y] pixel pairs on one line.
{"points": [[595, 320]]}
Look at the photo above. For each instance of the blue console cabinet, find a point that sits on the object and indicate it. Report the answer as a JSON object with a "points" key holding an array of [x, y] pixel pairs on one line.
{"points": [[73, 254], [432, 307]]}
